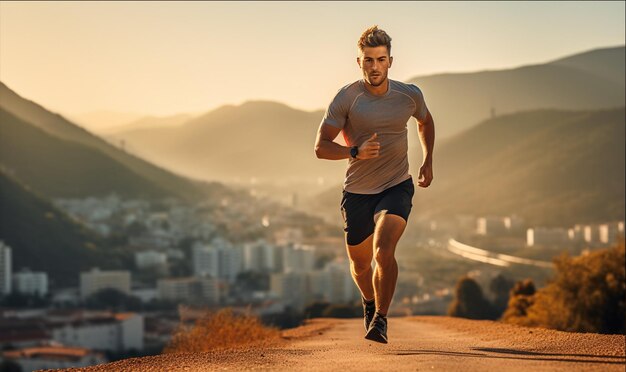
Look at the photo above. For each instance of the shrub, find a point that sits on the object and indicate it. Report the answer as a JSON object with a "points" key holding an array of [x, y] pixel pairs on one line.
{"points": [[220, 330], [500, 286], [469, 301], [520, 299], [587, 294]]}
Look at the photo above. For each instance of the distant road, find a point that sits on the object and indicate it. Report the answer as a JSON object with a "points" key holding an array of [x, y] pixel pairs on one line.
{"points": [[421, 343], [498, 259]]}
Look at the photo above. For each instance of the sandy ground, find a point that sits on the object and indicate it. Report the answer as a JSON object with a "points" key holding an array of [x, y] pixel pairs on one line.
{"points": [[421, 343]]}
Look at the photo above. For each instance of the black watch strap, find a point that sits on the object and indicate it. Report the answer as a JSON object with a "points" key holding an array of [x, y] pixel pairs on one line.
{"points": [[354, 151]]}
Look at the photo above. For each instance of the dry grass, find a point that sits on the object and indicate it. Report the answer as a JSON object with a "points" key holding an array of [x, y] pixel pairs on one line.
{"points": [[220, 330]]}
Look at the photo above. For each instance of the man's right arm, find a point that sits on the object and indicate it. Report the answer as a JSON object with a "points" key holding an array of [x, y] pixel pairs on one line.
{"points": [[327, 148]]}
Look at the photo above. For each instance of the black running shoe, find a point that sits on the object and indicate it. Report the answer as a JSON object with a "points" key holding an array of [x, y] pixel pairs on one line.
{"points": [[369, 309], [378, 329]]}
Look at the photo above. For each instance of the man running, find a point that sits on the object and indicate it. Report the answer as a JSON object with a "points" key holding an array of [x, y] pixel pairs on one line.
{"points": [[372, 113]]}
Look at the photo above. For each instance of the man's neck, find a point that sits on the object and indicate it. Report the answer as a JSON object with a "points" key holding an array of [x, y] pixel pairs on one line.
{"points": [[379, 90]]}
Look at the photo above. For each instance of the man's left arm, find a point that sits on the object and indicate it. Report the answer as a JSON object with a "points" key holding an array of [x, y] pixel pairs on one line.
{"points": [[426, 129]]}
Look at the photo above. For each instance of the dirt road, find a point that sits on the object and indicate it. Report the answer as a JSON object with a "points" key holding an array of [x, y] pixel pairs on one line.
{"points": [[423, 343]]}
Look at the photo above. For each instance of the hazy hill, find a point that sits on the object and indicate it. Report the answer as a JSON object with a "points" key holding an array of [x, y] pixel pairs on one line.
{"points": [[97, 121], [44, 238], [147, 122], [589, 80], [63, 168], [550, 166], [57, 126], [266, 140], [607, 63]]}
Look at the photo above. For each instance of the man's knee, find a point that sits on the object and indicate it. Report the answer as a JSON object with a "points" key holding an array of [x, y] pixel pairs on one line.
{"points": [[384, 255], [361, 267]]}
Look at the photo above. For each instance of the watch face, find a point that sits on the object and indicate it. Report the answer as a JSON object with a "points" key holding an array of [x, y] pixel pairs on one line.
{"points": [[354, 151]]}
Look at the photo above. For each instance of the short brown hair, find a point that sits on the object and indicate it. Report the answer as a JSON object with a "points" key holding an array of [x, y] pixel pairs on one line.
{"points": [[373, 37]]}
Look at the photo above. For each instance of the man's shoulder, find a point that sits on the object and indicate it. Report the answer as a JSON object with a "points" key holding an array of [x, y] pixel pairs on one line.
{"points": [[349, 91], [403, 87], [408, 89]]}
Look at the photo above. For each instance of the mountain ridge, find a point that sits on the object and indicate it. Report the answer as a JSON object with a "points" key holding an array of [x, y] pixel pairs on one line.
{"points": [[57, 126]]}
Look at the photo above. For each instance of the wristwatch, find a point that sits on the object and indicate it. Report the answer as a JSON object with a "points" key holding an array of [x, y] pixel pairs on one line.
{"points": [[354, 151]]}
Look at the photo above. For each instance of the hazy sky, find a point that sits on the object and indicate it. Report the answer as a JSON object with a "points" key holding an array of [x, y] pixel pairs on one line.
{"points": [[163, 58]]}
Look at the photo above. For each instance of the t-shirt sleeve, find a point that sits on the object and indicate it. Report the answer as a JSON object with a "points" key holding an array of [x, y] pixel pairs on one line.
{"points": [[337, 111], [421, 110]]}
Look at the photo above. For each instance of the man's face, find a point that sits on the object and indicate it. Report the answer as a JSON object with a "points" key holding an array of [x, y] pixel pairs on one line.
{"points": [[374, 62]]}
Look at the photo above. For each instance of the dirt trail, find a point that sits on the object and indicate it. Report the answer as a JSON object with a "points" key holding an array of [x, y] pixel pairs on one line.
{"points": [[415, 344]]}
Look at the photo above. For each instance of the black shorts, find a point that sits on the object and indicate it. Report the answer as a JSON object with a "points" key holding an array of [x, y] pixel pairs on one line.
{"points": [[358, 210]]}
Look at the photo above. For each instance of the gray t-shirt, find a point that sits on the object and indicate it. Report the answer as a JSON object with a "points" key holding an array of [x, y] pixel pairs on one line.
{"points": [[360, 114]]}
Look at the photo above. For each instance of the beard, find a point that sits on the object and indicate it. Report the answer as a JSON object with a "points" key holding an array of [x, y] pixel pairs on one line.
{"points": [[382, 77]]}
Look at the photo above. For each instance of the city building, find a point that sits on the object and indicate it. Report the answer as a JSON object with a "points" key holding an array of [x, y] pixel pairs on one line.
{"points": [[290, 287], [206, 260], [490, 225], [5, 269], [541, 236], [610, 232], [203, 289], [342, 288], [513, 223], [288, 235], [333, 284], [110, 332], [576, 233], [298, 258], [219, 260], [150, 258], [30, 282], [591, 234], [96, 280], [318, 283], [53, 357], [146, 295], [259, 256], [16, 332]]}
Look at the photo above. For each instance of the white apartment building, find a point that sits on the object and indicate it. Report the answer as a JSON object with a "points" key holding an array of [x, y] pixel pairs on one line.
{"points": [[113, 332], [609, 232], [96, 280], [150, 258], [333, 284], [591, 234], [342, 288], [259, 256], [5, 269], [546, 236], [298, 258], [219, 260], [203, 289], [513, 223], [290, 287], [318, 282], [576, 233], [31, 282], [490, 225], [206, 260]]}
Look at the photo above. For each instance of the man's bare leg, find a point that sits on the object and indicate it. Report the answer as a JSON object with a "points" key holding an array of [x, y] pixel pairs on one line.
{"points": [[389, 229], [360, 256]]}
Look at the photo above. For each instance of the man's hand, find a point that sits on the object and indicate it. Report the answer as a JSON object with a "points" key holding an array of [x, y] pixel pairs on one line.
{"points": [[369, 149], [426, 174]]}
